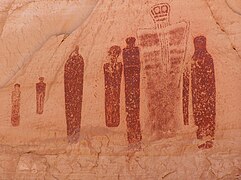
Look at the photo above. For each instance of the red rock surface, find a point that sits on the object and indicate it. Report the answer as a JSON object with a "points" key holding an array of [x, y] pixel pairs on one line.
{"points": [[151, 140]]}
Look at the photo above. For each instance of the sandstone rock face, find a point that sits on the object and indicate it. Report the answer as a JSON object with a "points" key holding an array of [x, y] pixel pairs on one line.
{"points": [[168, 71]]}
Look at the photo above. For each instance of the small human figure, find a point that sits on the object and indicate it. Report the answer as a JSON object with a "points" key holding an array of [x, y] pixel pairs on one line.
{"points": [[112, 73], [131, 58], [73, 87], [15, 117], [40, 94], [203, 93]]}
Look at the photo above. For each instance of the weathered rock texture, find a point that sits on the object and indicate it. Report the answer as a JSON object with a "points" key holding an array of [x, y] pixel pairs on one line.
{"points": [[37, 37]]}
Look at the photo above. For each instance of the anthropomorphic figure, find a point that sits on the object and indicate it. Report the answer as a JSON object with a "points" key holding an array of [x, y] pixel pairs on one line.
{"points": [[112, 73], [203, 93], [131, 58], [163, 52], [15, 118], [40, 94], [73, 86]]}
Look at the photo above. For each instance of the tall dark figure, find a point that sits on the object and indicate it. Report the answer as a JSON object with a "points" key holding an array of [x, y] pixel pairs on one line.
{"points": [[203, 92], [131, 58], [73, 86], [112, 73]]}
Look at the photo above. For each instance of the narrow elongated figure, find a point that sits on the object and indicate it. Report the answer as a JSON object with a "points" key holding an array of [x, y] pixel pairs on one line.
{"points": [[131, 58], [73, 86], [185, 95], [40, 94], [112, 73], [15, 117], [203, 92]]}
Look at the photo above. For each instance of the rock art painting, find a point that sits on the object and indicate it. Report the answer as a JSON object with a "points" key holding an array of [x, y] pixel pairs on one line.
{"points": [[15, 117], [120, 89], [203, 92], [163, 52], [132, 66], [73, 88], [185, 97], [161, 16], [40, 95], [112, 76]]}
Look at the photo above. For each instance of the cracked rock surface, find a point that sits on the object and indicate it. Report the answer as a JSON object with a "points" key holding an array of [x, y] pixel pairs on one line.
{"points": [[36, 39]]}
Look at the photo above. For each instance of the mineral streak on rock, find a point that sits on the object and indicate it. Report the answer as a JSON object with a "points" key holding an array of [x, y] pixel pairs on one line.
{"points": [[73, 87], [112, 73], [131, 58]]}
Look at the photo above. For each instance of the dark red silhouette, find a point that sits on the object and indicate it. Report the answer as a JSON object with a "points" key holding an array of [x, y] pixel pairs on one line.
{"points": [[73, 86], [40, 94], [112, 72], [185, 98], [131, 58], [15, 117], [203, 92]]}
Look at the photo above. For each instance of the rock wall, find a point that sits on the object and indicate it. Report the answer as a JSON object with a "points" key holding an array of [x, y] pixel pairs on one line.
{"points": [[37, 39]]}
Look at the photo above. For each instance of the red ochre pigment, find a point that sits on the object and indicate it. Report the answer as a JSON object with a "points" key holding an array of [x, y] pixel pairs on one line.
{"points": [[112, 73], [203, 92], [40, 95], [73, 86], [131, 57], [15, 117]]}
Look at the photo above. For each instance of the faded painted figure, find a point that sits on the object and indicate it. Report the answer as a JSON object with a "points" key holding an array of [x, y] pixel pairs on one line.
{"points": [[40, 94], [131, 58], [163, 51], [73, 86], [203, 92], [15, 118], [163, 90], [112, 72]]}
